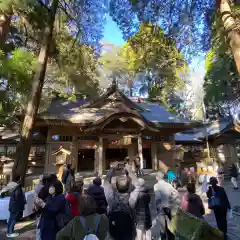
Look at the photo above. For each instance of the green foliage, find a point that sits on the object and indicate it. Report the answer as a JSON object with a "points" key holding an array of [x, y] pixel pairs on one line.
{"points": [[72, 66], [5, 5], [113, 61], [115, 66], [152, 51], [77, 65], [18, 69], [179, 19], [221, 74], [16, 74]]}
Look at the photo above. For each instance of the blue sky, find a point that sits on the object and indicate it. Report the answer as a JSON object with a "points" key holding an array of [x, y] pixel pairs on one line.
{"points": [[112, 34]]}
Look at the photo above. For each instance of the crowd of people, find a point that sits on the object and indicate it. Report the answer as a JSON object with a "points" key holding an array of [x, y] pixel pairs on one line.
{"points": [[113, 211]]}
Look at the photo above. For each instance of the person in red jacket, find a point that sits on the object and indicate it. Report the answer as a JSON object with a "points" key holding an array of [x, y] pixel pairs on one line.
{"points": [[72, 198]]}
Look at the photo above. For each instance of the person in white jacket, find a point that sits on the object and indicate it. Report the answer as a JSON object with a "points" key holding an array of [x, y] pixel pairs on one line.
{"points": [[167, 203]]}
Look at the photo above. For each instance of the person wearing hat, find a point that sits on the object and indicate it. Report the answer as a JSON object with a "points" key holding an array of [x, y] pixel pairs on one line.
{"points": [[167, 203], [96, 191], [219, 203]]}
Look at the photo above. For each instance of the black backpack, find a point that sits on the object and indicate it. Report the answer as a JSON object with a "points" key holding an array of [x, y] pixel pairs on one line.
{"points": [[121, 221], [64, 217]]}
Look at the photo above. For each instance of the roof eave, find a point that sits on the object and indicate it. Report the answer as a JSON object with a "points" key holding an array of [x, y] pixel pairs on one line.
{"points": [[193, 142]]}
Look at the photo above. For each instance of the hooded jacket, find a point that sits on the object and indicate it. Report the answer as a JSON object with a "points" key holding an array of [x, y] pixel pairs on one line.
{"points": [[96, 191], [17, 200], [193, 204], [139, 201]]}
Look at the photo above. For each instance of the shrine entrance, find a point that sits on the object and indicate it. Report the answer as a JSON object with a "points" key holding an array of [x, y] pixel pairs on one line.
{"points": [[115, 155], [86, 159], [147, 158]]}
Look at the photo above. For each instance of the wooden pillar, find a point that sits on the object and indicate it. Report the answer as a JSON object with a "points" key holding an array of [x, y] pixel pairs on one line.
{"points": [[74, 152], [100, 156], [140, 150], [131, 153], [233, 152], [154, 156], [104, 157], [96, 159], [48, 151]]}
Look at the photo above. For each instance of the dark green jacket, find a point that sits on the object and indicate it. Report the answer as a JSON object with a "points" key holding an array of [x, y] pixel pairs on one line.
{"points": [[75, 231]]}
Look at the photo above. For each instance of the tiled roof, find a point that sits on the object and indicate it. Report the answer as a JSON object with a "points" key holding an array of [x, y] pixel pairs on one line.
{"points": [[112, 101], [71, 111], [59, 106], [157, 113], [211, 129], [108, 103], [74, 112], [187, 138]]}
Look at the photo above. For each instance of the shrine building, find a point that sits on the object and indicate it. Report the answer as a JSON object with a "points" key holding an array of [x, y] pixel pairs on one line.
{"points": [[92, 134], [109, 129]]}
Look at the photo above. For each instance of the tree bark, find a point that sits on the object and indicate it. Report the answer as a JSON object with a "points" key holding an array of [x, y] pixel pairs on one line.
{"points": [[23, 149], [230, 26], [5, 21]]}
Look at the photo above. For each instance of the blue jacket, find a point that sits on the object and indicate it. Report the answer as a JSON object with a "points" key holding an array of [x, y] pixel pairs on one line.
{"points": [[48, 224], [171, 176]]}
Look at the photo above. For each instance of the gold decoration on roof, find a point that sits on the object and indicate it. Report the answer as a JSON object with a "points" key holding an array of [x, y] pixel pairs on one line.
{"points": [[61, 150]]}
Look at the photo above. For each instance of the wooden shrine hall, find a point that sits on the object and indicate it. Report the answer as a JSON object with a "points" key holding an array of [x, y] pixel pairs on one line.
{"points": [[108, 129], [92, 134]]}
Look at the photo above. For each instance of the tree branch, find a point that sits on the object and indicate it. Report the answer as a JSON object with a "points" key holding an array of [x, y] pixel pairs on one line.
{"points": [[43, 5], [65, 10]]}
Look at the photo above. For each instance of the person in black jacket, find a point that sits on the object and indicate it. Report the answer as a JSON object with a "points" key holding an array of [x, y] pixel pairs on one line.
{"points": [[65, 173], [138, 166], [96, 191], [233, 172], [139, 201], [16, 207], [53, 212], [68, 178], [47, 181], [179, 175], [221, 205]]}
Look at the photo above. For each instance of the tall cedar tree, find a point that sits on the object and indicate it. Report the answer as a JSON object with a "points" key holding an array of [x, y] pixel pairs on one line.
{"points": [[23, 149]]}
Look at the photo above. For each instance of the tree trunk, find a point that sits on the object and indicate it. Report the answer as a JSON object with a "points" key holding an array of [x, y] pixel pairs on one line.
{"points": [[23, 149], [5, 21], [229, 24]]}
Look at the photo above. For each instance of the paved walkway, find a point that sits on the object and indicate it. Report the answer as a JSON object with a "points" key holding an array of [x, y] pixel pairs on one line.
{"points": [[234, 224], [27, 227]]}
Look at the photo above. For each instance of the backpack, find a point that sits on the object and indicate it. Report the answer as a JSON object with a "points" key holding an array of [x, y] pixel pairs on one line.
{"points": [[63, 218], [121, 222], [90, 234]]}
